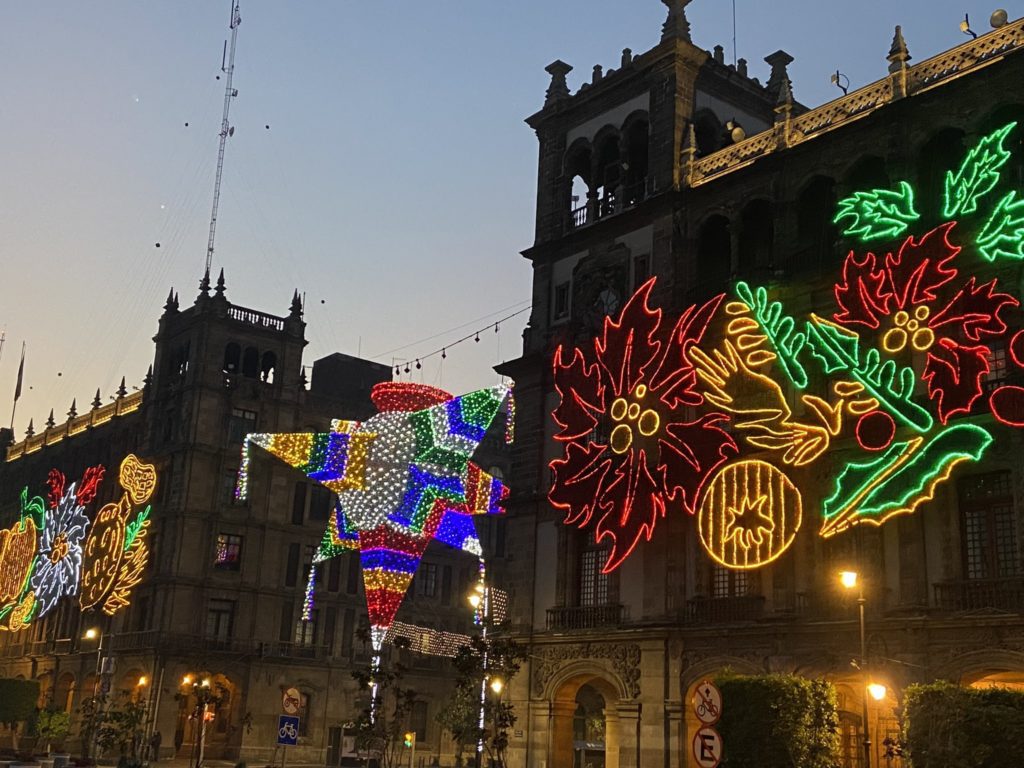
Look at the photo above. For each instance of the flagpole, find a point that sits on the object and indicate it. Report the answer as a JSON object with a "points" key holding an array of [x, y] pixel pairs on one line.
{"points": [[17, 386]]}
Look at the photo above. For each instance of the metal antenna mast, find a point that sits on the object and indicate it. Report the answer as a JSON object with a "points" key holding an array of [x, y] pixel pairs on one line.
{"points": [[227, 66]]}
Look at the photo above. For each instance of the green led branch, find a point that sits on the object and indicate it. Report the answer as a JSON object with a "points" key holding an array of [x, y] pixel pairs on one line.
{"points": [[977, 175], [779, 329], [1003, 233], [878, 213]]}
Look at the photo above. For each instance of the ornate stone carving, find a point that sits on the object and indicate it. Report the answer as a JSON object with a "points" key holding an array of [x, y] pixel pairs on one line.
{"points": [[624, 659]]}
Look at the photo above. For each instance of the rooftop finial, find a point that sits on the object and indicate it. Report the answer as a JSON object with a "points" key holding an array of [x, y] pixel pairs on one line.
{"points": [[676, 26], [50, 423], [122, 390], [558, 89], [97, 401], [149, 376], [204, 284], [778, 61], [220, 283], [172, 302], [73, 411], [899, 54], [296, 307], [31, 430]]}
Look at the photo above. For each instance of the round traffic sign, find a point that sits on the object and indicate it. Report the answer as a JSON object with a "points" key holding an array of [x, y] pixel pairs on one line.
{"points": [[290, 701], [707, 702], [707, 747]]}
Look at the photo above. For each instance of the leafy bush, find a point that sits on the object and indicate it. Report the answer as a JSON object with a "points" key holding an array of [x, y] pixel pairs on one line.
{"points": [[778, 721], [52, 726], [951, 726], [17, 699]]}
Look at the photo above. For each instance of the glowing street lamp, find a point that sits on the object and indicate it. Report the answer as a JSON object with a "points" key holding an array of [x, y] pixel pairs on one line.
{"points": [[497, 685], [850, 580], [877, 691]]}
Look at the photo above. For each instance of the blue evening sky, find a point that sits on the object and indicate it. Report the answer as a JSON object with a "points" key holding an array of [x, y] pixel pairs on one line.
{"points": [[395, 185]]}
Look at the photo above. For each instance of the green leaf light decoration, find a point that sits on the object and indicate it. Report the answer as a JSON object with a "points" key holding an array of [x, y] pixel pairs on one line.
{"points": [[891, 384], [779, 329], [977, 175], [878, 213], [1003, 233]]}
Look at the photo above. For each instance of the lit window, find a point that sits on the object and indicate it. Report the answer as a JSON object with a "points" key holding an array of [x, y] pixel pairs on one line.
{"points": [[593, 588], [726, 582], [229, 552]]}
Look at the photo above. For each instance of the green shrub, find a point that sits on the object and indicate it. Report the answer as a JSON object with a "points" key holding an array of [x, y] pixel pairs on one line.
{"points": [[951, 726], [778, 721]]}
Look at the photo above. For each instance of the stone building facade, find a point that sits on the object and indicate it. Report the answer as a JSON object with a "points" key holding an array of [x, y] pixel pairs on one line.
{"points": [[222, 596], [678, 165]]}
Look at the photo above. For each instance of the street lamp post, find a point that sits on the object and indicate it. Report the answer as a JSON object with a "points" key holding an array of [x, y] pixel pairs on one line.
{"points": [[850, 580], [480, 600]]}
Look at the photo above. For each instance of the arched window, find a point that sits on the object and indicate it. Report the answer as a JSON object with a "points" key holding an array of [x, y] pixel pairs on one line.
{"points": [[267, 367], [708, 130], [608, 175], [637, 139], [251, 363], [757, 238], [815, 209], [867, 173], [714, 257], [232, 357], [942, 152], [578, 169]]}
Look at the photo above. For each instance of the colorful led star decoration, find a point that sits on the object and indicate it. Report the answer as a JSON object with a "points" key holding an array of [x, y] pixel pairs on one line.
{"points": [[403, 478]]}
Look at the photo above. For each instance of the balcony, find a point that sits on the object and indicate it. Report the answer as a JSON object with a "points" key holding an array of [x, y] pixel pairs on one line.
{"points": [[611, 203], [1004, 594], [723, 610], [585, 617]]}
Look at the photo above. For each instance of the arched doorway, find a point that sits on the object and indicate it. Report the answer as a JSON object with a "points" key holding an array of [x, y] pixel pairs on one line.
{"points": [[585, 723]]}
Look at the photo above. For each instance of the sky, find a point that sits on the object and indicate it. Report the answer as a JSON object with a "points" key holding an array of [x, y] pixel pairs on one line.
{"points": [[380, 163]]}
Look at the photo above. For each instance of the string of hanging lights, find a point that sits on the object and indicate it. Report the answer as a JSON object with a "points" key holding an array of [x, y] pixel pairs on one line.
{"points": [[417, 362]]}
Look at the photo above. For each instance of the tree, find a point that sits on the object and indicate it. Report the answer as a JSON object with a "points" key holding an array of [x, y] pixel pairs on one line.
{"points": [[496, 659], [117, 722], [17, 703], [383, 720], [778, 721], [52, 726], [952, 726]]}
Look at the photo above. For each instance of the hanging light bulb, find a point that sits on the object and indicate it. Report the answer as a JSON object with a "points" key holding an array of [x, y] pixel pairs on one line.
{"points": [[406, 367], [477, 336], [418, 366], [444, 353], [495, 327]]}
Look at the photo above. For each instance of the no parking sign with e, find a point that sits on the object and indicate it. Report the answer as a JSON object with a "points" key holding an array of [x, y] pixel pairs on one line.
{"points": [[707, 742]]}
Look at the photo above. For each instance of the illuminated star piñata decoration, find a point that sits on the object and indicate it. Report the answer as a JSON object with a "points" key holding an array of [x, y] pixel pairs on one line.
{"points": [[402, 478]]}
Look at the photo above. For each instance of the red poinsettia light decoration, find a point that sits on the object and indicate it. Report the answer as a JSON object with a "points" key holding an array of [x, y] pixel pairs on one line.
{"points": [[632, 442], [898, 296]]}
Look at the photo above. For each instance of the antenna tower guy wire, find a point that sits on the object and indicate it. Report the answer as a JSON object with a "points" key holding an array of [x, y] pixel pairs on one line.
{"points": [[227, 66]]}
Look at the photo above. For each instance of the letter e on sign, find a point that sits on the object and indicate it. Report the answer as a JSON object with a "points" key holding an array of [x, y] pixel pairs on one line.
{"points": [[707, 747], [707, 702]]}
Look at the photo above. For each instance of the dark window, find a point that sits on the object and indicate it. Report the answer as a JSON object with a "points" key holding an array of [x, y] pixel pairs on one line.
{"points": [[352, 583], [418, 720], [348, 630], [997, 360], [220, 616], [291, 572], [299, 504], [242, 423], [446, 585], [500, 526], [285, 633], [251, 363], [560, 308], [232, 357], [334, 575], [309, 551], [267, 367], [426, 580], [228, 482], [330, 624], [305, 702], [641, 270], [229, 552], [319, 503], [593, 588], [726, 582], [141, 617], [989, 526], [305, 631]]}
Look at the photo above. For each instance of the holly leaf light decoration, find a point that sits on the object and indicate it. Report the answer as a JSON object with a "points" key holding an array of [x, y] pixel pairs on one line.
{"points": [[878, 214], [632, 445], [779, 329], [1003, 234], [977, 174]]}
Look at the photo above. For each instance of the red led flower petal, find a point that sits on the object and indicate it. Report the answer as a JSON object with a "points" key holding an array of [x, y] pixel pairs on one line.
{"points": [[674, 379], [954, 375], [921, 267], [90, 484], [578, 480], [633, 502], [974, 311], [55, 482], [629, 346], [582, 393], [862, 294]]}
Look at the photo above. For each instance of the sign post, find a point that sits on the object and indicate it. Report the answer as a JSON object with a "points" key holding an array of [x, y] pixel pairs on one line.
{"points": [[287, 734], [707, 742]]}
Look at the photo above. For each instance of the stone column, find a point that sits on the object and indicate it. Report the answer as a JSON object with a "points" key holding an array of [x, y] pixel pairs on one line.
{"points": [[629, 729], [561, 749], [611, 738], [674, 731], [538, 735]]}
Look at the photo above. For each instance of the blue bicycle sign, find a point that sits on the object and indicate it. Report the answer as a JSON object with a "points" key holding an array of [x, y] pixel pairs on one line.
{"points": [[287, 730]]}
